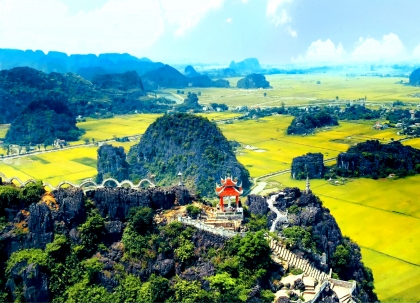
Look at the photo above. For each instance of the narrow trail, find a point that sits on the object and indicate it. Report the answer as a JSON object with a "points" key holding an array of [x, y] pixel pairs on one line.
{"points": [[280, 215]]}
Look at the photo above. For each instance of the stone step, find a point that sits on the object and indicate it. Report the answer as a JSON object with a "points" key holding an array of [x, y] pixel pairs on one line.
{"points": [[345, 298]]}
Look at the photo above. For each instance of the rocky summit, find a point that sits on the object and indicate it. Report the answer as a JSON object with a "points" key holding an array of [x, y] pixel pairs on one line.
{"points": [[310, 165], [253, 81], [415, 77], [188, 144]]}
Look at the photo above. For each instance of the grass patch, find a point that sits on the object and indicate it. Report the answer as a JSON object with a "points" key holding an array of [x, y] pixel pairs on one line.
{"points": [[40, 159], [86, 161]]}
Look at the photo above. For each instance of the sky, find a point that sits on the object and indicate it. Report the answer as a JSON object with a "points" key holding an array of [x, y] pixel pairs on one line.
{"points": [[219, 31]]}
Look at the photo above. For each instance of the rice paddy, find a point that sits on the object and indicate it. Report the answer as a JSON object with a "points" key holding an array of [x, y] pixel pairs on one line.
{"points": [[303, 89], [382, 216]]}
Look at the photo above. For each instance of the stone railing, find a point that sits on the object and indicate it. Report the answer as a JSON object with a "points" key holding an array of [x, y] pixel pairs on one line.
{"points": [[321, 289], [85, 185], [209, 228], [230, 216], [296, 261], [342, 283]]}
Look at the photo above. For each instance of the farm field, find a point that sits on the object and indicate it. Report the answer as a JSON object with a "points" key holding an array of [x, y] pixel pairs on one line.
{"points": [[303, 89], [272, 150], [383, 217], [73, 165]]}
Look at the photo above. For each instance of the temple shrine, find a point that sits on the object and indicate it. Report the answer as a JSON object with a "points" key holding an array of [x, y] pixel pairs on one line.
{"points": [[228, 188]]}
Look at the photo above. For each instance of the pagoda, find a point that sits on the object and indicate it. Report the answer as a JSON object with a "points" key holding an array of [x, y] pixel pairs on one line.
{"points": [[228, 188]]}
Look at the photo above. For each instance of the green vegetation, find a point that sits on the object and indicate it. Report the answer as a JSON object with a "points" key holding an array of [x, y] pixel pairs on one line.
{"points": [[43, 121], [189, 144], [299, 237], [306, 123], [372, 159], [193, 211]]}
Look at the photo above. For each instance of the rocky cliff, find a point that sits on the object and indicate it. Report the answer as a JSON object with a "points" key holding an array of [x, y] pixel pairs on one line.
{"points": [[116, 245], [415, 77], [253, 81], [112, 163], [311, 231], [188, 144], [310, 165], [376, 160]]}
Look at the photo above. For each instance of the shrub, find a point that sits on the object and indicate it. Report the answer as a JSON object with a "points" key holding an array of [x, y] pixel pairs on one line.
{"points": [[193, 211], [30, 256], [91, 232], [141, 219]]}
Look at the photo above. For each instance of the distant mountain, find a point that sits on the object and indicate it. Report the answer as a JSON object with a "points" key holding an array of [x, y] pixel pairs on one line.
{"points": [[43, 121], [22, 85], [126, 81], [247, 65], [253, 81], [107, 95], [169, 77], [85, 64], [165, 76], [190, 71], [415, 77]]}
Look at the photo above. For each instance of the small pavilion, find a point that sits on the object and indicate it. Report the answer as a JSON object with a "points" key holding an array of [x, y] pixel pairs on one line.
{"points": [[228, 188]]}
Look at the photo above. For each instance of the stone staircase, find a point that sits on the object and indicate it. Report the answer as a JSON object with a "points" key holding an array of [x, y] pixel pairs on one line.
{"points": [[298, 262]]}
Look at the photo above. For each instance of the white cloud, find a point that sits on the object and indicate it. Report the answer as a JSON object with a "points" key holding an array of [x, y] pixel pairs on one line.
{"points": [[118, 26], [277, 13], [245, 1], [291, 31], [389, 48], [325, 52], [416, 52], [185, 14], [229, 20]]}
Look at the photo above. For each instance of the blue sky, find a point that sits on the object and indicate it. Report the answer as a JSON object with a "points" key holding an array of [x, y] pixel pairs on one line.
{"points": [[218, 31]]}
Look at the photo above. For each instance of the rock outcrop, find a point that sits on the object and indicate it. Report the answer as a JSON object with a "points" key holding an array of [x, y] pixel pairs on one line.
{"points": [[189, 144], [189, 71], [112, 163], [115, 202], [34, 281], [257, 205], [306, 212], [311, 165], [253, 81], [415, 77], [247, 65], [373, 159]]}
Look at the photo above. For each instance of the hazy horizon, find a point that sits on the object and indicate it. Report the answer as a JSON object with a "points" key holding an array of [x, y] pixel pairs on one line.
{"points": [[277, 32]]}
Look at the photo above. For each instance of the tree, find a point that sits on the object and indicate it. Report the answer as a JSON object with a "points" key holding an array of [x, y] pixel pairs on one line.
{"points": [[178, 91], [86, 140], [93, 140], [265, 94], [141, 219], [336, 97]]}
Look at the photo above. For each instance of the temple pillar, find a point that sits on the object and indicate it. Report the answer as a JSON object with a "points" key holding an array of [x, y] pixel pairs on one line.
{"points": [[222, 206], [237, 203]]}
